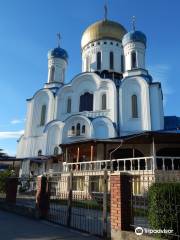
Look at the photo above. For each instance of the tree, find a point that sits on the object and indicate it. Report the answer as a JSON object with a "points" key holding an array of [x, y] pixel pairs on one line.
{"points": [[2, 154]]}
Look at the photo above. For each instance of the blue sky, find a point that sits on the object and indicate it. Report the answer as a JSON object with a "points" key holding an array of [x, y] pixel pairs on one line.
{"points": [[28, 30]]}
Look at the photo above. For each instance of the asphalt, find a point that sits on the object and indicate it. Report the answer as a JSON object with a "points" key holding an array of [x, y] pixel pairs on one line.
{"points": [[15, 227]]}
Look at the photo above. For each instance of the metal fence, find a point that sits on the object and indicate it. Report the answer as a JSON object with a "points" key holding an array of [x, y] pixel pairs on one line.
{"points": [[141, 206], [80, 202]]}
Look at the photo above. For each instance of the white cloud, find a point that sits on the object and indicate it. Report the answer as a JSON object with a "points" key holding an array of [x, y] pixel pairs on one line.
{"points": [[13, 134], [15, 121]]}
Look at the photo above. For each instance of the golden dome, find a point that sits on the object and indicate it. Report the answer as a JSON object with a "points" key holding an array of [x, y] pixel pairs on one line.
{"points": [[104, 29]]}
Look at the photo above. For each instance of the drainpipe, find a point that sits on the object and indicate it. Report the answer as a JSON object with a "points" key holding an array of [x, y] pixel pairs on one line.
{"points": [[154, 154], [110, 155]]}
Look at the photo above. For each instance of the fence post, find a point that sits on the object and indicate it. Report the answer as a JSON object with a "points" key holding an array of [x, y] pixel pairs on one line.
{"points": [[42, 196], [11, 189], [105, 204], [69, 206], [120, 205]]}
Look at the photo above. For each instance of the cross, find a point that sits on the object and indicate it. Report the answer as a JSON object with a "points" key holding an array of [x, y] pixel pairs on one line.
{"points": [[105, 11], [133, 23], [58, 39]]}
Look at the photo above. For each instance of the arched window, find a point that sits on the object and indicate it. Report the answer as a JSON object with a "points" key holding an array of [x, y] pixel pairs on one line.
{"points": [[73, 130], [43, 115], [52, 71], [78, 127], [134, 106], [133, 60], [56, 151], [104, 102], [39, 152], [83, 129], [86, 102], [69, 105], [122, 63], [111, 60], [98, 60]]}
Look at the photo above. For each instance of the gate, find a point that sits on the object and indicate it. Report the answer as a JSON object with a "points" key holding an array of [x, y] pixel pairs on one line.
{"points": [[80, 201]]}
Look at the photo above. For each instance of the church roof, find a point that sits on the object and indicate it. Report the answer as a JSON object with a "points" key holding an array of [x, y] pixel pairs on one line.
{"points": [[104, 29], [134, 36], [58, 53]]}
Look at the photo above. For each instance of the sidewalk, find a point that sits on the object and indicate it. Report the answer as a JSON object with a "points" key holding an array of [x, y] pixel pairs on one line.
{"points": [[15, 227]]}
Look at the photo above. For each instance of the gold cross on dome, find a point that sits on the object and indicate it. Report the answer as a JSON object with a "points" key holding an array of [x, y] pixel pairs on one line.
{"points": [[105, 11]]}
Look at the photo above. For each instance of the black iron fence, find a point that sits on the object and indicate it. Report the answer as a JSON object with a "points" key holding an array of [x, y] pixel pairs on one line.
{"points": [[80, 201]]}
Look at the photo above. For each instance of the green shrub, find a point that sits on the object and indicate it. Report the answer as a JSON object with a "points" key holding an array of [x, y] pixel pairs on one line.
{"points": [[163, 199], [3, 176]]}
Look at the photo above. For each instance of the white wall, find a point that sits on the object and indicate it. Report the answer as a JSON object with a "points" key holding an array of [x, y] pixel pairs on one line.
{"points": [[139, 48], [139, 87], [156, 101], [87, 82], [98, 46], [60, 66]]}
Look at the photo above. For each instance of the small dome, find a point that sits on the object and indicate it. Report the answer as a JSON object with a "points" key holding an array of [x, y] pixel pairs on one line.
{"points": [[134, 36], [104, 29], [58, 53]]}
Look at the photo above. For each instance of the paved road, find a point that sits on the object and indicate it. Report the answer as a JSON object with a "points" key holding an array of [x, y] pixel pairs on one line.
{"points": [[14, 227]]}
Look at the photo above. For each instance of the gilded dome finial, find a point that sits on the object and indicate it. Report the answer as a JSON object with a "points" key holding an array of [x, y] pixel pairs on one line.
{"points": [[134, 23], [58, 39], [105, 11]]}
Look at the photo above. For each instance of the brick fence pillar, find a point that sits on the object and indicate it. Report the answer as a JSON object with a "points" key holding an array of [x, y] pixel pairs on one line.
{"points": [[11, 190], [42, 196], [120, 204]]}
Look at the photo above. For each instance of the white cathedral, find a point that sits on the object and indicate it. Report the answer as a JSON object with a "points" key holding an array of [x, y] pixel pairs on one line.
{"points": [[113, 96]]}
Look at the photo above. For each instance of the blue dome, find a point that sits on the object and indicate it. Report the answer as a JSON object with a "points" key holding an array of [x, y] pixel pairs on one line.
{"points": [[134, 36], [58, 53]]}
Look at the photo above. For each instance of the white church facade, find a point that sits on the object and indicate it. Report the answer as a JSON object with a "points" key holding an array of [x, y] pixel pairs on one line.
{"points": [[113, 98]]}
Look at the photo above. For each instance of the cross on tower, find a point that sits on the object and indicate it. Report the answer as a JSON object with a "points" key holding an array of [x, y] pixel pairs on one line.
{"points": [[105, 11], [58, 39], [134, 23]]}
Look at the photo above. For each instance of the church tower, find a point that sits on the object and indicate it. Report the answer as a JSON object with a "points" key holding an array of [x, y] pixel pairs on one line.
{"points": [[101, 46], [57, 64], [134, 45]]}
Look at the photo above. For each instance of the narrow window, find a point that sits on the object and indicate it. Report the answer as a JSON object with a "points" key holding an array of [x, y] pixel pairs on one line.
{"points": [[39, 152], [87, 64], [43, 115], [133, 60], [104, 102], [73, 130], [52, 71], [98, 60], [134, 106], [56, 151], [69, 105], [86, 102], [78, 127], [111, 59], [83, 129], [122, 63]]}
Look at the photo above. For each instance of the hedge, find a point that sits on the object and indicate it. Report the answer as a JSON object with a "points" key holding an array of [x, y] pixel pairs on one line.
{"points": [[163, 200]]}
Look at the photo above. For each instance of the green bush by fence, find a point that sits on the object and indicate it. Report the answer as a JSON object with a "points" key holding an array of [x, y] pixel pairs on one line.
{"points": [[163, 201], [3, 176]]}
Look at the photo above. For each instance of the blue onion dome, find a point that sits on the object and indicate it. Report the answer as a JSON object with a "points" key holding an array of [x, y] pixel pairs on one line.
{"points": [[58, 53], [134, 36]]}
